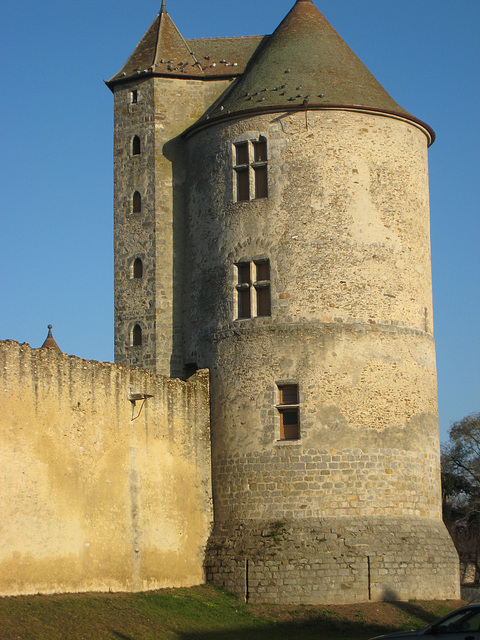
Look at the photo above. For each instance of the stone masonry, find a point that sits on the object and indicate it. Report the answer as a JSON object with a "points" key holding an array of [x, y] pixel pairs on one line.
{"points": [[283, 233]]}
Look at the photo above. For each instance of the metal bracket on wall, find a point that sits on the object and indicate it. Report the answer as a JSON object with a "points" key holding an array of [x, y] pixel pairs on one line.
{"points": [[134, 397]]}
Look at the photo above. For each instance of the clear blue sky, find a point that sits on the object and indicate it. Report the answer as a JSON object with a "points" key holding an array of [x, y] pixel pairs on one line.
{"points": [[56, 256]]}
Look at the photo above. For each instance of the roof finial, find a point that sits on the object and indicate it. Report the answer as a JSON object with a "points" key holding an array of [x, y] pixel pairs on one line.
{"points": [[50, 341], [163, 8]]}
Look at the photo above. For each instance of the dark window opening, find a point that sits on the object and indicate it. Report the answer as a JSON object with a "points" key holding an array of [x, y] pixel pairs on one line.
{"points": [[260, 151], [190, 369], [138, 268], [263, 301], [134, 96], [137, 202], [289, 410], [136, 146], [241, 153], [243, 185], [261, 182], [243, 289], [262, 287], [137, 335]]}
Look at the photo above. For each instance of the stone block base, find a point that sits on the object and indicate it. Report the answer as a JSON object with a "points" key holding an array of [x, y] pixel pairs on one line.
{"points": [[334, 560]]}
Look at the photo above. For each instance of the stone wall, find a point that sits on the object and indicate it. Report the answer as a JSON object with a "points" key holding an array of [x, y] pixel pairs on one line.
{"points": [[99, 493], [345, 228], [154, 234], [333, 560]]}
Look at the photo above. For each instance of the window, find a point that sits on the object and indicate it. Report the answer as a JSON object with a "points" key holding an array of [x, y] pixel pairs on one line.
{"points": [[262, 287], [134, 96], [137, 202], [136, 146], [251, 156], [138, 268], [253, 296], [137, 335], [289, 410]]}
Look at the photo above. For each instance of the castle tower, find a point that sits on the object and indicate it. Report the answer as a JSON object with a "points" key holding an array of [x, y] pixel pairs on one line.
{"points": [[159, 92], [301, 279]]}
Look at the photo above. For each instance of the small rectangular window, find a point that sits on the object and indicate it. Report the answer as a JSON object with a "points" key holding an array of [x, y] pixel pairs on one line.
{"points": [[244, 290], [242, 153], [289, 411], [263, 301], [262, 287], [134, 96], [261, 182], [260, 151], [243, 185]]}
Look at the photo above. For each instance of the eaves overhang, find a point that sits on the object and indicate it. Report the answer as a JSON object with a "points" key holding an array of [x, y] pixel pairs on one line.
{"points": [[208, 121]]}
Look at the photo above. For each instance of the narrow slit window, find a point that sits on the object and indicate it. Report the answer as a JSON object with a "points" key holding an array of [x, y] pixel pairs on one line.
{"points": [[137, 202], [134, 96], [137, 335], [138, 269], [289, 411], [136, 146]]}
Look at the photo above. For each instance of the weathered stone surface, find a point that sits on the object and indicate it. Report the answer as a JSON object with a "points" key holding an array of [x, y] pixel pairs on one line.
{"points": [[91, 499], [333, 560]]}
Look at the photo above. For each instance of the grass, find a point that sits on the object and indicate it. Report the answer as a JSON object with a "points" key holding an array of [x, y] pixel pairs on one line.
{"points": [[200, 613]]}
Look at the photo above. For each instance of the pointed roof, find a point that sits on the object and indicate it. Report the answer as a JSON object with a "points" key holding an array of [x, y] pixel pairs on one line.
{"points": [[163, 52], [305, 63], [50, 342], [161, 47]]}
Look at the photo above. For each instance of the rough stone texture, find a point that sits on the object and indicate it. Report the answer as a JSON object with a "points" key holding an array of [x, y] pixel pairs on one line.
{"points": [[346, 230], [351, 510], [91, 499], [155, 235], [333, 560]]}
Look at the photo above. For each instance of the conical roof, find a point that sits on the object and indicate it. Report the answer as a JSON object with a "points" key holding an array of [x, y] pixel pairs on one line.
{"points": [[305, 63], [50, 342]]}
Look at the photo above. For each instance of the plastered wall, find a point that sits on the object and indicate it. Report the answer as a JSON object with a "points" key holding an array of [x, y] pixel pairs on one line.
{"points": [[91, 498]]}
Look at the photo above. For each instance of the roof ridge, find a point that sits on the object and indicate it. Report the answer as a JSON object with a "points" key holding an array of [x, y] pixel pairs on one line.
{"points": [[228, 37]]}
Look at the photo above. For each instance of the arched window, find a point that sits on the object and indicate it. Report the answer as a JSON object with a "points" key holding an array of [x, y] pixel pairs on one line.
{"points": [[137, 202], [137, 335], [136, 146], [138, 268]]}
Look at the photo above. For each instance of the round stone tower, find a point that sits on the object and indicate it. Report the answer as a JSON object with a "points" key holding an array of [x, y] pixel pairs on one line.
{"points": [[272, 224], [308, 289]]}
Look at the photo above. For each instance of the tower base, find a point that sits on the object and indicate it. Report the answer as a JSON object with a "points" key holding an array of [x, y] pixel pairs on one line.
{"points": [[334, 560]]}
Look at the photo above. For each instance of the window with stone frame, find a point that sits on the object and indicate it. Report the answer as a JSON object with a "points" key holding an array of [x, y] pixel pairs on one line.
{"points": [[251, 170], [137, 336], [253, 288], [288, 408]]}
